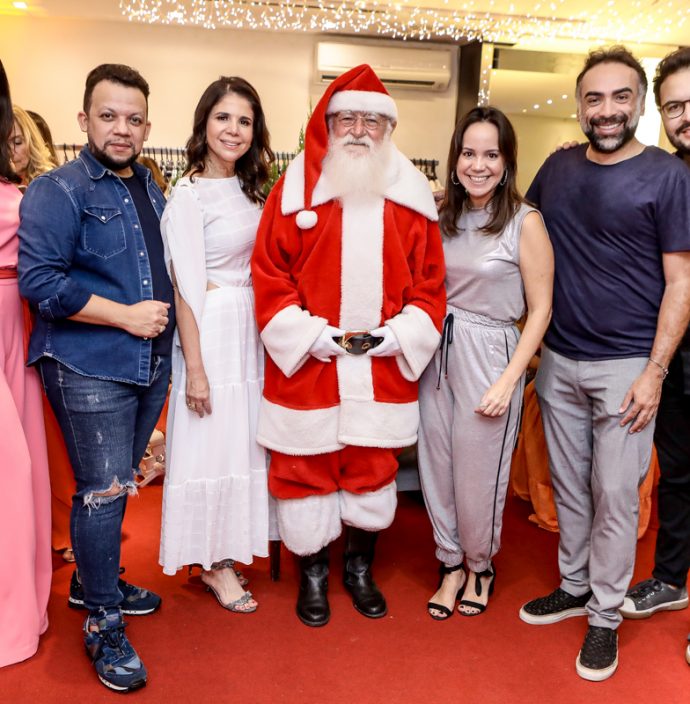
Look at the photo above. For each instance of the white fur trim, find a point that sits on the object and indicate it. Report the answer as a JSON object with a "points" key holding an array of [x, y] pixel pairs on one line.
{"points": [[418, 338], [313, 432], [361, 287], [288, 336], [293, 186], [364, 101], [298, 432], [361, 263], [377, 424], [408, 187], [306, 219], [412, 189], [373, 510], [309, 524]]}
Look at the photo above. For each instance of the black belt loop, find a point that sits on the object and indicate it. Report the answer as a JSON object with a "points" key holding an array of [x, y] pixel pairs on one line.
{"points": [[446, 341]]}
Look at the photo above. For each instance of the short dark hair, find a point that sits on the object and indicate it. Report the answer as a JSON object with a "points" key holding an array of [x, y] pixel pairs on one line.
{"points": [[506, 199], [252, 168], [617, 54], [115, 73], [674, 62]]}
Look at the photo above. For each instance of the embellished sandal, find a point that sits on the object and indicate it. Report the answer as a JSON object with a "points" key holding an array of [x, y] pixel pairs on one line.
{"points": [[237, 604], [231, 564], [445, 611], [482, 580], [152, 464]]}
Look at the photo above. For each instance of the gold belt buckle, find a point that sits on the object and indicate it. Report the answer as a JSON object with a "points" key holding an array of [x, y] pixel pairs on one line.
{"points": [[345, 339]]}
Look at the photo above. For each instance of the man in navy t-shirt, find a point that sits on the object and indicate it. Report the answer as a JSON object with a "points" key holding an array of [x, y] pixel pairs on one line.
{"points": [[618, 214]]}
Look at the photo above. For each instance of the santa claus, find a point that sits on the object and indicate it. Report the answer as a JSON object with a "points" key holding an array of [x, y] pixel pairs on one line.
{"points": [[348, 276]]}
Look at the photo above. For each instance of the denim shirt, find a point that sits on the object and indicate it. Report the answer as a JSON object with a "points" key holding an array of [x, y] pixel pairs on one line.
{"points": [[80, 235]]}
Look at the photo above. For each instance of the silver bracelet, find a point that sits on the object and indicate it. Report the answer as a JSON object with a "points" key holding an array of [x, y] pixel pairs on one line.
{"points": [[664, 370]]}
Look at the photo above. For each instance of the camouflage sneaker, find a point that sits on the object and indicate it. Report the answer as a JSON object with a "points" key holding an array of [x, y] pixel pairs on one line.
{"points": [[135, 600], [117, 664]]}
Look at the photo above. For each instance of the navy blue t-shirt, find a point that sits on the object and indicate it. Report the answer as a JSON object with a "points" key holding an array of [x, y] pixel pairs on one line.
{"points": [[162, 286], [609, 226]]}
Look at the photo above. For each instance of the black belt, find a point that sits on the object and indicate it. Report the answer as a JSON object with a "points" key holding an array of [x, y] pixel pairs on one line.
{"points": [[358, 342]]}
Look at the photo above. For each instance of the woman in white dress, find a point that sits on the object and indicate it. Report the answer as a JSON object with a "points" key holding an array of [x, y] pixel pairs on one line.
{"points": [[215, 500]]}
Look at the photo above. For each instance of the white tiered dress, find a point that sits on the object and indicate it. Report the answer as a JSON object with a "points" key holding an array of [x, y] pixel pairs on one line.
{"points": [[215, 498]]}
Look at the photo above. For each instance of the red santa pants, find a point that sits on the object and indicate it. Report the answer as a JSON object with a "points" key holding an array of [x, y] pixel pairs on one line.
{"points": [[358, 470]]}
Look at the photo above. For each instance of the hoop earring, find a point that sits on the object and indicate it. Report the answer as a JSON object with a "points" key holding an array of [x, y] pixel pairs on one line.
{"points": [[504, 178], [454, 181]]}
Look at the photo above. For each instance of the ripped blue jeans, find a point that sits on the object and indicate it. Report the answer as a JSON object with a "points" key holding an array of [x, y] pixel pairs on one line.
{"points": [[106, 426]]}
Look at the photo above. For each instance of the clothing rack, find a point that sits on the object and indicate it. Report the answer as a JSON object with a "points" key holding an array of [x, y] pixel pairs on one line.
{"points": [[173, 162]]}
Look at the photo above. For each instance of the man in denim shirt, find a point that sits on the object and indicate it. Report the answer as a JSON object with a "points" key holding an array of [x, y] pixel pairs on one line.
{"points": [[91, 264]]}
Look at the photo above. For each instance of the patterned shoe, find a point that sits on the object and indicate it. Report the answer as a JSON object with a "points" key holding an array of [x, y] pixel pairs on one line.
{"points": [[135, 602], [652, 595], [117, 664], [598, 658], [554, 607]]}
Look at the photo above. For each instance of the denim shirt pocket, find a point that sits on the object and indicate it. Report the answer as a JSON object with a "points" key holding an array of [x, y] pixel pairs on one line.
{"points": [[104, 231]]}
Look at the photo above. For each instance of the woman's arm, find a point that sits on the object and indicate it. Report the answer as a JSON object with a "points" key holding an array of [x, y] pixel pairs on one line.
{"points": [[198, 393], [536, 269]]}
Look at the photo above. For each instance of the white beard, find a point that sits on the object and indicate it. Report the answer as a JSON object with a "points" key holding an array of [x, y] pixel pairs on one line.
{"points": [[360, 174]]}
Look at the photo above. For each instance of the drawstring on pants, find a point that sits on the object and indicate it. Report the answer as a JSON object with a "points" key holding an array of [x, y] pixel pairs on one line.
{"points": [[446, 341]]}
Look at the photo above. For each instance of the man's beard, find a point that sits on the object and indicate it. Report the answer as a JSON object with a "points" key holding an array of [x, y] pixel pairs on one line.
{"points": [[683, 146], [352, 174], [608, 144], [109, 162]]}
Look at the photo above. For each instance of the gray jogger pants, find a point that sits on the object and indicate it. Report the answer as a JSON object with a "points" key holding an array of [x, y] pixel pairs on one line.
{"points": [[596, 468], [464, 457]]}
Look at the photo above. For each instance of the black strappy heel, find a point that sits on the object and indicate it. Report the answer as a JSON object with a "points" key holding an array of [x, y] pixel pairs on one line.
{"points": [[489, 573], [443, 570]]}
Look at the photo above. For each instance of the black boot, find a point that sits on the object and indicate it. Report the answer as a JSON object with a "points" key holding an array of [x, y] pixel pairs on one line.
{"points": [[312, 601], [359, 554]]}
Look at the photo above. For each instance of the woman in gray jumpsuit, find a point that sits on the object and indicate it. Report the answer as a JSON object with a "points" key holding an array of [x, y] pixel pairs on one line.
{"points": [[499, 262]]}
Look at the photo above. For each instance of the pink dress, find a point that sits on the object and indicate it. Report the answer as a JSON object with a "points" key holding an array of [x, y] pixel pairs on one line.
{"points": [[25, 559]]}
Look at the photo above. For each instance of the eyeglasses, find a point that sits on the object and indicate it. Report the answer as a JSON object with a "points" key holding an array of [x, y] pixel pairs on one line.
{"points": [[370, 120], [674, 108]]}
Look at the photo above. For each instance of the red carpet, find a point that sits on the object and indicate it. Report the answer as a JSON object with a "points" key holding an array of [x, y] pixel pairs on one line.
{"points": [[195, 651]]}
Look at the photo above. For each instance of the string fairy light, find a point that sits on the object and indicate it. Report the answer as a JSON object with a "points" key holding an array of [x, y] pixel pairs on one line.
{"points": [[640, 20]]}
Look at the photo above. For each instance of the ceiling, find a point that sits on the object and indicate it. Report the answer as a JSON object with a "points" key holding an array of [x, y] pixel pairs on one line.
{"points": [[541, 28], [665, 22]]}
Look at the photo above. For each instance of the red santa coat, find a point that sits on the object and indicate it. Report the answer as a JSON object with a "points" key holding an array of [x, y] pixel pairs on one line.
{"points": [[374, 260]]}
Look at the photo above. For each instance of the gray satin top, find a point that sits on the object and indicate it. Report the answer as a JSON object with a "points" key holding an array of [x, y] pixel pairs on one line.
{"points": [[483, 271]]}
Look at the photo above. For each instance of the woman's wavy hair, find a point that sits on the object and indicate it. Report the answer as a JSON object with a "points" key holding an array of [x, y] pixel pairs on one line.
{"points": [[40, 159], [506, 198], [45, 133], [251, 168], [6, 123]]}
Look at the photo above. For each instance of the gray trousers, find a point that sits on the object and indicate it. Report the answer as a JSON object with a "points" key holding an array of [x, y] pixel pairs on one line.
{"points": [[464, 457], [596, 469]]}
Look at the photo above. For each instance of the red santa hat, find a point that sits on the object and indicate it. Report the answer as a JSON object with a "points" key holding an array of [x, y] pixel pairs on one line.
{"points": [[360, 89]]}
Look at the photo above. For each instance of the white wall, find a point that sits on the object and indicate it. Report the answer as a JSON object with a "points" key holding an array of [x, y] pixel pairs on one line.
{"points": [[537, 138], [47, 62]]}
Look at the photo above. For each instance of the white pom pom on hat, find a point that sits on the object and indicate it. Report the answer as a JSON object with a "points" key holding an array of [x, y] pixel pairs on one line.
{"points": [[306, 219]]}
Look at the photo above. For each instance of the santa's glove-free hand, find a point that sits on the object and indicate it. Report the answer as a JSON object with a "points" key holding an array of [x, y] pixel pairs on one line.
{"points": [[325, 346], [388, 347]]}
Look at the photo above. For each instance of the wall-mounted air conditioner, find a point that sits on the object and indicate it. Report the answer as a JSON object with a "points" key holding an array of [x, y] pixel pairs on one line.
{"points": [[408, 67]]}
